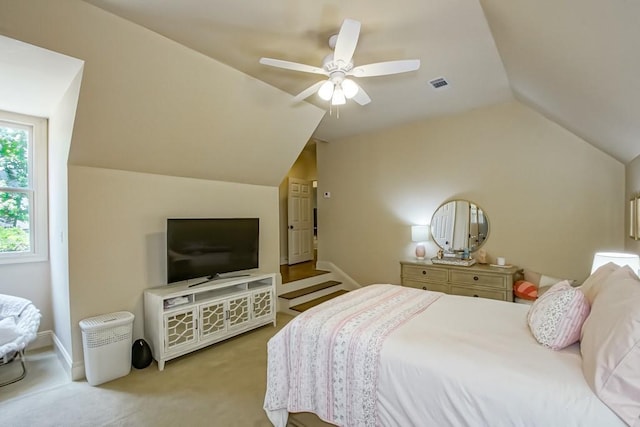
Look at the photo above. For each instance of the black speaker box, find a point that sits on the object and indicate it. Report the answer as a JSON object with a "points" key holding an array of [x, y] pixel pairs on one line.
{"points": [[141, 354]]}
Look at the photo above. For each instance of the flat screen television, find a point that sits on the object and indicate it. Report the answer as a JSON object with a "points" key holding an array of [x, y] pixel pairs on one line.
{"points": [[209, 247]]}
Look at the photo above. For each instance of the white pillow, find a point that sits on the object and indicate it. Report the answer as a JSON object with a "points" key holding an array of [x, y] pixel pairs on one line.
{"points": [[592, 285], [556, 317], [610, 345]]}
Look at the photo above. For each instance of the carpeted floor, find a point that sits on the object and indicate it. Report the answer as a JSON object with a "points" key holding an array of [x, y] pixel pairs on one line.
{"points": [[222, 385]]}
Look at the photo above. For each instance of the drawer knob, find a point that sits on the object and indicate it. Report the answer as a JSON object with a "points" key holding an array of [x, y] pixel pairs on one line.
{"points": [[424, 272], [424, 288], [475, 296], [475, 277]]}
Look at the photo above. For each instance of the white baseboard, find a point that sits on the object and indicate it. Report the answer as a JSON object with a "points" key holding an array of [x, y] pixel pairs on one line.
{"points": [[74, 369], [49, 339], [77, 372]]}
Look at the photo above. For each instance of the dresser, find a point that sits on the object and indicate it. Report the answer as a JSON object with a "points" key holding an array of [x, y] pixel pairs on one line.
{"points": [[477, 280]]}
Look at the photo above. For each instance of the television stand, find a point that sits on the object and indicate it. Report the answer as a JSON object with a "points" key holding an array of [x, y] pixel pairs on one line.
{"points": [[179, 320], [217, 276]]}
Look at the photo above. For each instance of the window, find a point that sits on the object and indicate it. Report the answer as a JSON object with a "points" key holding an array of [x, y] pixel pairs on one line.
{"points": [[23, 189]]}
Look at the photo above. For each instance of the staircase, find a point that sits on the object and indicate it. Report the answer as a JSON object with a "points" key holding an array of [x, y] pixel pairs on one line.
{"points": [[302, 294]]}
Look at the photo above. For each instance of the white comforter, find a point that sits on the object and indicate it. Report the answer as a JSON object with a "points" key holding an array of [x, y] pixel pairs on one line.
{"points": [[473, 362]]}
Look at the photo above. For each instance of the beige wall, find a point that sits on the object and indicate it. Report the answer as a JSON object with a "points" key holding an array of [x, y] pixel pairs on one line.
{"points": [[304, 168], [117, 238], [149, 104], [633, 189], [551, 198]]}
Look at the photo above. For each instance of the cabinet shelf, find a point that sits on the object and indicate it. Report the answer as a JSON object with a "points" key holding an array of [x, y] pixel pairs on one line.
{"points": [[182, 319], [213, 294]]}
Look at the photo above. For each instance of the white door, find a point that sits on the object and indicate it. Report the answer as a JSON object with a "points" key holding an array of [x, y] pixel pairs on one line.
{"points": [[261, 304], [300, 222], [212, 320], [442, 225], [179, 328], [238, 311]]}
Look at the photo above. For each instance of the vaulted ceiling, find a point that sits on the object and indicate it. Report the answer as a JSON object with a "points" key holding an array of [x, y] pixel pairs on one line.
{"points": [[576, 62]]}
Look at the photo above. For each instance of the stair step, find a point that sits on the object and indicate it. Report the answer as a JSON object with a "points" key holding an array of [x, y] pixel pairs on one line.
{"points": [[294, 276], [309, 290], [307, 305]]}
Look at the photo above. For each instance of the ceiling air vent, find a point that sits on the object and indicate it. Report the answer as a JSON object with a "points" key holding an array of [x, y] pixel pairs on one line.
{"points": [[439, 83]]}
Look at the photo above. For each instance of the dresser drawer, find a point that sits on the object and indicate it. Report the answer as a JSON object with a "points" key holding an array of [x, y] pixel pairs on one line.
{"points": [[428, 286], [479, 279], [417, 272], [481, 293], [473, 281]]}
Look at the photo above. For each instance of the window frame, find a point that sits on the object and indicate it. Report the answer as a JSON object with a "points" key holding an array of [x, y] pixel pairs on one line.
{"points": [[37, 189]]}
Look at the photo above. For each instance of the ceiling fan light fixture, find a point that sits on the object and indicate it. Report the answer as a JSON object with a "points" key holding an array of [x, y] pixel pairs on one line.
{"points": [[338, 97], [349, 88], [326, 90], [339, 64]]}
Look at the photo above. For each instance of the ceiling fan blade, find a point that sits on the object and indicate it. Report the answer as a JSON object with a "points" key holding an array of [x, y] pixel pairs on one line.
{"points": [[347, 41], [308, 91], [292, 66], [361, 97], [385, 68]]}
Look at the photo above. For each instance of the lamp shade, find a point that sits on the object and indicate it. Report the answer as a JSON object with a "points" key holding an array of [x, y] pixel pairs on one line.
{"points": [[326, 90], [419, 233], [622, 259], [350, 88]]}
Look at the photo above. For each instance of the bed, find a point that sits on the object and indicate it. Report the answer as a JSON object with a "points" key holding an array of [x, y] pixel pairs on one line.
{"points": [[393, 356]]}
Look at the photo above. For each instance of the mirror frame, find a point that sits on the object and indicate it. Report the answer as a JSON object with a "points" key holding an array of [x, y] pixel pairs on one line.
{"points": [[435, 222], [634, 218]]}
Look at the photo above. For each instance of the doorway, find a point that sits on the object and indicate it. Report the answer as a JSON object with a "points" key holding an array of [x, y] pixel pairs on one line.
{"points": [[303, 171], [299, 221]]}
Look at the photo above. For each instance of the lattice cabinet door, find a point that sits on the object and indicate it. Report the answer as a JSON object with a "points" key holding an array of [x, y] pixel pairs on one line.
{"points": [[262, 303], [180, 328], [238, 311], [212, 319]]}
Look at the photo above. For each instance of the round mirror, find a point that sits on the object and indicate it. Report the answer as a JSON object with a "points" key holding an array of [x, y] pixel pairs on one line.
{"points": [[458, 225]]}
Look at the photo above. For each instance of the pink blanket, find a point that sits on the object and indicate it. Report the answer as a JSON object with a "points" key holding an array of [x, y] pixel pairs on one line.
{"points": [[325, 360]]}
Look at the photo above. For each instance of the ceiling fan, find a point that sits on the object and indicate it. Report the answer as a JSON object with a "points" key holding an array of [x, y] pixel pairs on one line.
{"points": [[338, 66]]}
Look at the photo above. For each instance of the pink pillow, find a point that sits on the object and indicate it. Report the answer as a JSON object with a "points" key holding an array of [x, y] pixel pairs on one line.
{"points": [[556, 317], [611, 345]]}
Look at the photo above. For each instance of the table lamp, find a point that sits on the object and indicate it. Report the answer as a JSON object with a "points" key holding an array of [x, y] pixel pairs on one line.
{"points": [[420, 234], [622, 259]]}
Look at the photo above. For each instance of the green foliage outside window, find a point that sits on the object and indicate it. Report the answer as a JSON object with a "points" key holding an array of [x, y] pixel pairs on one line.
{"points": [[14, 175], [13, 240]]}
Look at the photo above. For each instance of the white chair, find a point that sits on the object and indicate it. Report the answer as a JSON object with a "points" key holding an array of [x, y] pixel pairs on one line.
{"points": [[19, 322]]}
